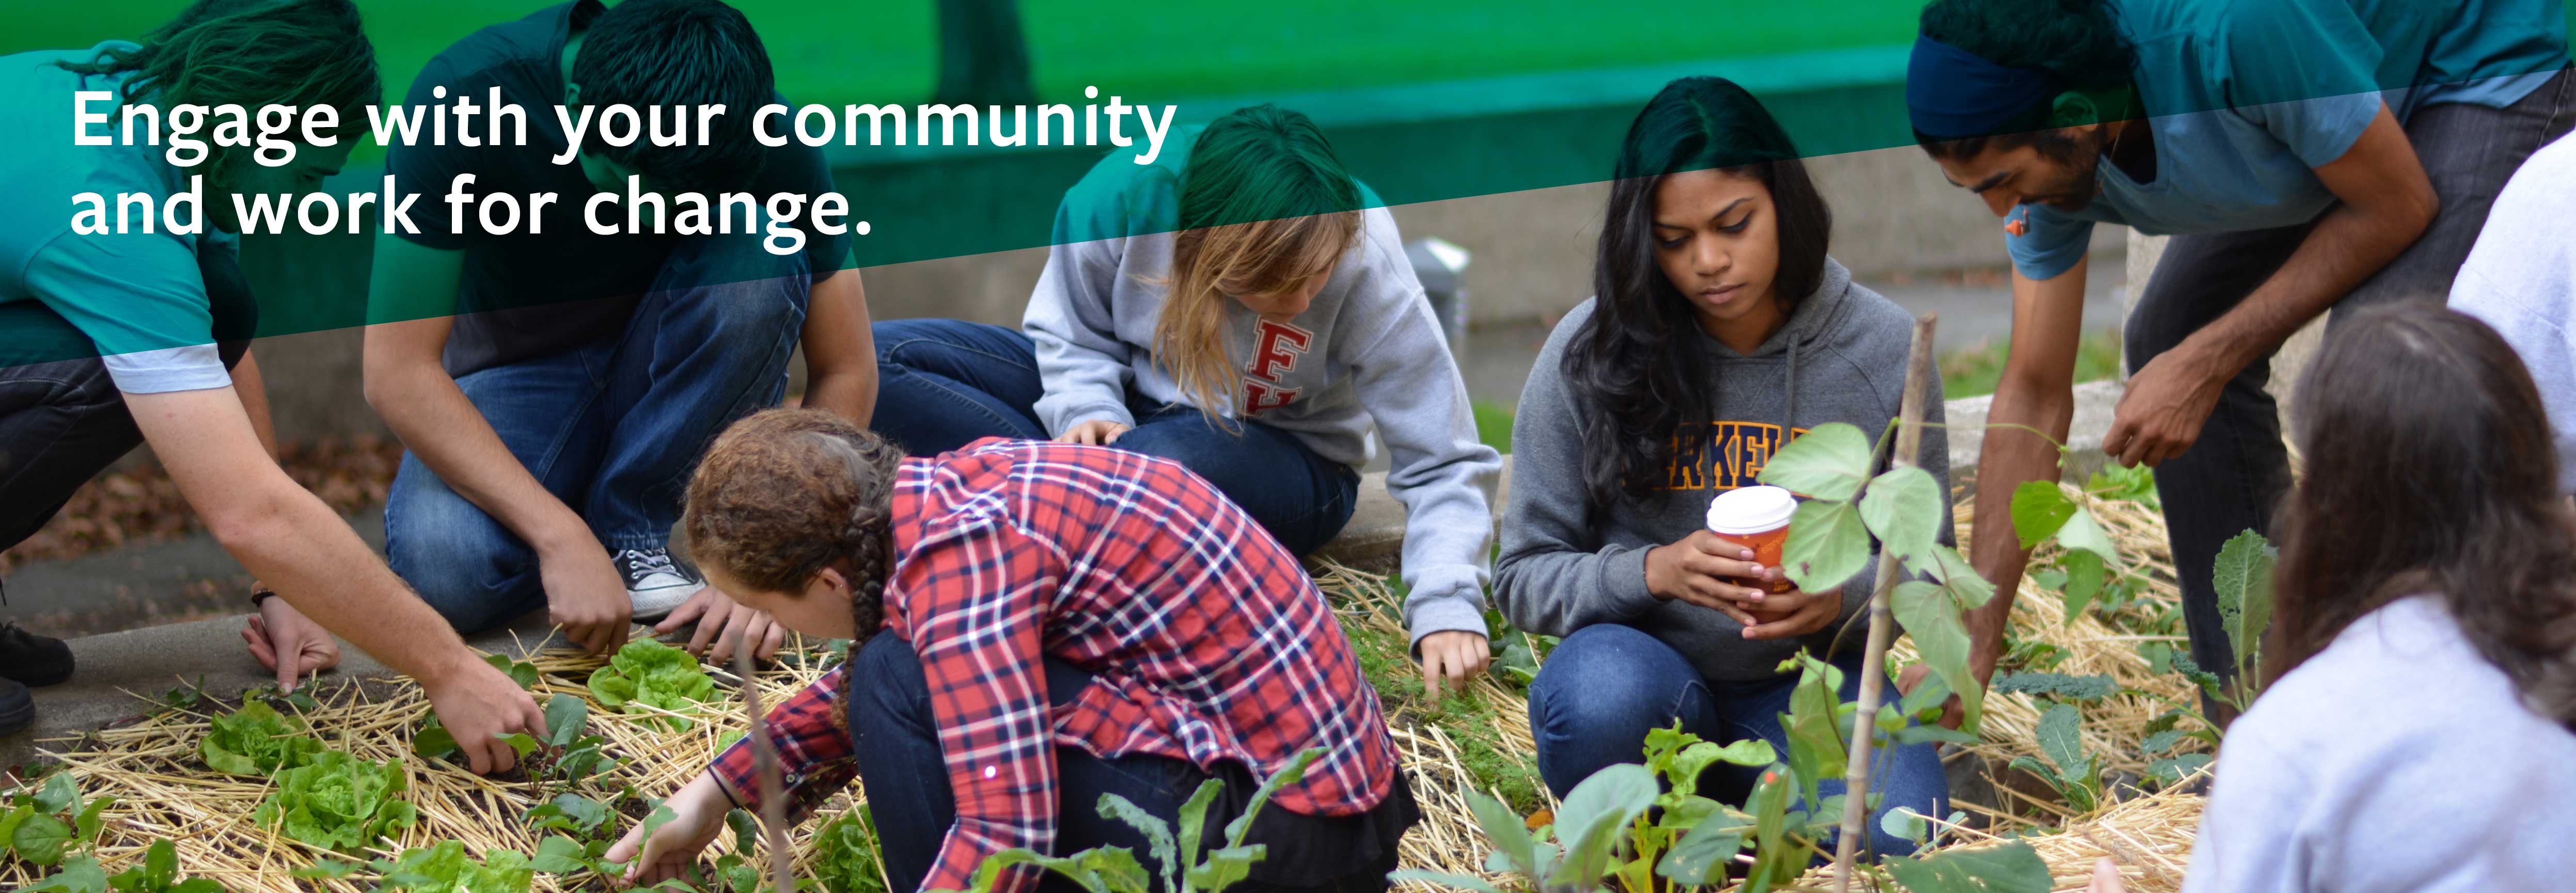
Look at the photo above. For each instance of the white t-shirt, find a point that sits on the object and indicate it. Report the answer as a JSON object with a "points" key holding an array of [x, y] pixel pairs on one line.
{"points": [[2397, 760], [2521, 279]]}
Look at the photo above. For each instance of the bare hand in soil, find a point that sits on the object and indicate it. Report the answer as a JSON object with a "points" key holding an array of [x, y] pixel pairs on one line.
{"points": [[1789, 615], [719, 619], [697, 812], [478, 703], [1706, 570], [1455, 655], [1951, 713], [280, 631], [585, 596], [1097, 432]]}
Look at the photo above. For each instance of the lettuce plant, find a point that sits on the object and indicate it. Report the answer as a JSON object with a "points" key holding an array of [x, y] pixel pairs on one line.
{"points": [[446, 869], [337, 801], [845, 853], [256, 740], [646, 676], [48, 824]]}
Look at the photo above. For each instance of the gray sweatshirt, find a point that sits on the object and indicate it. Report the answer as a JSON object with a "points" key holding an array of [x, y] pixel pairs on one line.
{"points": [[1366, 352], [2397, 760], [2521, 279], [1567, 563]]}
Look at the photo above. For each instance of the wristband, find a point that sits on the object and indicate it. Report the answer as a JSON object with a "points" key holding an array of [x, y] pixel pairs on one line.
{"points": [[261, 594]]}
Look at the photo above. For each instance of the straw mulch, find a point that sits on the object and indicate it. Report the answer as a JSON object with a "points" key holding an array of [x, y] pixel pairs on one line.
{"points": [[164, 791]]}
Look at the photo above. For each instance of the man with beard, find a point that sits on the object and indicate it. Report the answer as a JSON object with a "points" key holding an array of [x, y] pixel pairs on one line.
{"points": [[2304, 154]]}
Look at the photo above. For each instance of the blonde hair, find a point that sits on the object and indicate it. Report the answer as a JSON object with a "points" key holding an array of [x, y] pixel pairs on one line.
{"points": [[1264, 208], [1210, 266]]}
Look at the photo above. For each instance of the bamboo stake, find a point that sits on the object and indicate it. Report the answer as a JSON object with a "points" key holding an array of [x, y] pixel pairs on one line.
{"points": [[773, 817], [1909, 444]]}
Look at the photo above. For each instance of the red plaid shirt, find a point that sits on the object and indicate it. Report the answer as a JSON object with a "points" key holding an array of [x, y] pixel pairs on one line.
{"points": [[1205, 638]]}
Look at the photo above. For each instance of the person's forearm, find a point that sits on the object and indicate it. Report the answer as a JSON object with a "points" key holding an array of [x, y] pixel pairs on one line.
{"points": [[2011, 456], [438, 424], [2345, 249], [848, 393], [254, 400]]}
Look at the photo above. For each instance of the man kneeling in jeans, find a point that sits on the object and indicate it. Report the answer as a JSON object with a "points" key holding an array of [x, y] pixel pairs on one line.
{"points": [[554, 387]]}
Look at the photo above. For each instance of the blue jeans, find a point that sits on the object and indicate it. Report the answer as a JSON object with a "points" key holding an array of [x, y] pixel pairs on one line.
{"points": [[943, 383], [613, 428], [895, 742], [1607, 685]]}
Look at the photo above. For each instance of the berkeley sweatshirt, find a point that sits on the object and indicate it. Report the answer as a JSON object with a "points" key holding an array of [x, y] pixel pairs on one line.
{"points": [[1568, 563], [2521, 279], [1367, 352]]}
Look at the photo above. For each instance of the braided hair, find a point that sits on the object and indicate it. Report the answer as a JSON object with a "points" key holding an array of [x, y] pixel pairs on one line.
{"points": [[786, 493]]}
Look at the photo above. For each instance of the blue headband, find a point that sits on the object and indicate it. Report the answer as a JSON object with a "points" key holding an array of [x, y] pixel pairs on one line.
{"points": [[1952, 93]]}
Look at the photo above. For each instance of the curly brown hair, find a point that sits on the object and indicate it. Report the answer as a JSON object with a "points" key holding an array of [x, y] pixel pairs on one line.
{"points": [[786, 493]]}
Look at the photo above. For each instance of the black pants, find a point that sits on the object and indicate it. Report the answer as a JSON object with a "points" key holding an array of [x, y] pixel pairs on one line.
{"points": [[2233, 476], [62, 420], [896, 741]]}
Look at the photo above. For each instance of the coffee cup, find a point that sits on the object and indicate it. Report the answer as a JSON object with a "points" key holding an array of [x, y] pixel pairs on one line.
{"points": [[1756, 518]]}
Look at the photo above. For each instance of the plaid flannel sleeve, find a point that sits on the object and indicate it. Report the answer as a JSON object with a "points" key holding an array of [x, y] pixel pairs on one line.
{"points": [[975, 601], [814, 758]]}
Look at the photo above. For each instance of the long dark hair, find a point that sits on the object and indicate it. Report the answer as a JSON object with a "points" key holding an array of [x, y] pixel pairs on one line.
{"points": [[251, 53], [2430, 469], [1634, 367]]}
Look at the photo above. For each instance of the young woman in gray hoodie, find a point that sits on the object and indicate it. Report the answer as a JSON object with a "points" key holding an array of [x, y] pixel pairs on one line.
{"points": [[1719, 330], [1241, 305]]}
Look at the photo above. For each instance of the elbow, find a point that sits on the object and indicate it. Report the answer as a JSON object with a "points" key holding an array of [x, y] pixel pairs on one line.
{"points": [[245, 526]]}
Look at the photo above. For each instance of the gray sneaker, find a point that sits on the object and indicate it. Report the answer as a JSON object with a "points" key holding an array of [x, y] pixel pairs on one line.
{"points": [[655, 584]]}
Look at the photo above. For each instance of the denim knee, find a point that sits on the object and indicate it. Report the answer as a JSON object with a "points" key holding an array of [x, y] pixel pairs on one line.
{"points": [[1599, 693], [1195, 443], [889, 691], [461, 562]]}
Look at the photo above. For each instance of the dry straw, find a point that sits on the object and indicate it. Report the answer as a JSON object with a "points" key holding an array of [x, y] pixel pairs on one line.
{"points": [[164, 791]]}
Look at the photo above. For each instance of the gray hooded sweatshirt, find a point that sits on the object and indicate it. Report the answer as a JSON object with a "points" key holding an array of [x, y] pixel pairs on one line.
{"points": [[1365, 353], [1567, 563]]}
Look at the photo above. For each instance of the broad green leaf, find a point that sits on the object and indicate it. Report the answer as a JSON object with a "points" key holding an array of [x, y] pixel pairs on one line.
{"points": [[2061, 737], [519, 742], [1906, 824], [80, 875], [1287, 775], [1773, 862], [41, 839], [1748, 752], [585, 814], [2081, 533], [2007, 868], [2039, 510], [521, 672], [1829, 462], [1927, 697], [86, 825], [199, 884], [1593, 816], [1193, 827], [559, 855], [1931, 619], [746, 830], [2243, 578], [9, 822], [2162, 741], [1817, 747], [326, 868], [225, 761], [1509, 835], [1452, 881], [1903, 507], [1827, 544], [2058, 685], [59, 795], [566, 716], [660, 816], [1701, 855], [2174, 769], [160, 865], [1224, 868], [2084, 575], [434, 742]]}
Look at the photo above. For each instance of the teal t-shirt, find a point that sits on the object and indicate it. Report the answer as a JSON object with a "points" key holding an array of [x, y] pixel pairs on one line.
{"points": [[2246, 98], [138, 296]]}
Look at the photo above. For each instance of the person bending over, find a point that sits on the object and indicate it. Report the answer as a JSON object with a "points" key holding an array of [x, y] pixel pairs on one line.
{"points": [[1034, 625]]}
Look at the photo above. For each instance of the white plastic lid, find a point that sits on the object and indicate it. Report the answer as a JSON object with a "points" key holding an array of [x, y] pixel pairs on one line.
{"points": [[1750, 510]]}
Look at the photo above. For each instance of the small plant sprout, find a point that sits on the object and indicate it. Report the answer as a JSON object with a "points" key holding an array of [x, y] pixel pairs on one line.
{"points": [[1186, 869], [44, 826]]}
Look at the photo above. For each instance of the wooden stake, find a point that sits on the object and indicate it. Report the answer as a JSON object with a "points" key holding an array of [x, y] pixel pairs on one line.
{"points": [[773, 816], [1909, 445]]}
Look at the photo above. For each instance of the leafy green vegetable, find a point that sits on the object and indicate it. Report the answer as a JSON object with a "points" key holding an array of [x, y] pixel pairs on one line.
{"points": [[337, 801], [2243, 578], [646, 676], [159, 873], [446, 868], [845, 854], [1827, 544], [2011, 868], [79, 875], [2058, 685], [1827, 463], [256, 740]]}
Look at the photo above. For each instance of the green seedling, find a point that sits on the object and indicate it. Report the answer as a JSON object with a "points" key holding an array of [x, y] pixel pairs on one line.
{"points": [[45, 826], [1186, 869], [337, 802], [846, 855], [647, 677]]}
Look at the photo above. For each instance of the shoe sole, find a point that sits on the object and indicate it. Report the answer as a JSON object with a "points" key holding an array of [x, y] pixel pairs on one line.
{"points": [[42, 681], [17, 713]]}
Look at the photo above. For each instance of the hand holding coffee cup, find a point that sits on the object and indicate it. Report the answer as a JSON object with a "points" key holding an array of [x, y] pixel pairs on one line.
{"points": [[1713, 571]]}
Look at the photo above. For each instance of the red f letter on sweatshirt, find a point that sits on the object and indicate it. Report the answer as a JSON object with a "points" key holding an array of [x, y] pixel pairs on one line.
{"points": [[1276, 347]]}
